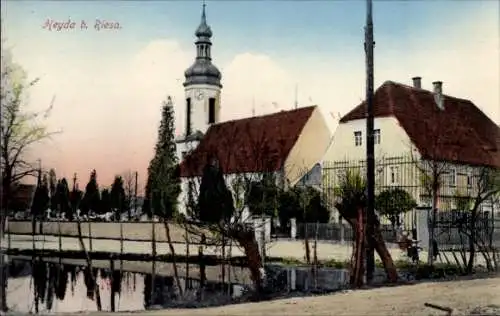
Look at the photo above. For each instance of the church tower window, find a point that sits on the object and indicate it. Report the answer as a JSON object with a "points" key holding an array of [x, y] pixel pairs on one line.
{"points": [[211, 110], [188, 116]]}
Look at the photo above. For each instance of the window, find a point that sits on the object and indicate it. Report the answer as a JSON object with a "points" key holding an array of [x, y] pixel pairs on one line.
{"points": [[211, 110], [376, 136], [394, 175], [452, 177], [358, 140], [469, 180], [188, 116]]}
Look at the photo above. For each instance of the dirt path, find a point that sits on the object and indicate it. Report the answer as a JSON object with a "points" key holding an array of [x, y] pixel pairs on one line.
{"points": [[462, 295]]}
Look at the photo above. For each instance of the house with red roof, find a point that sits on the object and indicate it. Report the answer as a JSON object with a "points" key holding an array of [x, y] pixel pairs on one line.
{"points": [[414, 125], [287, 144]]}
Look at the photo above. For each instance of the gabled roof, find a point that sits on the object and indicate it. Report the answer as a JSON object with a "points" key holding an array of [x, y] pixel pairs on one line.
{"points": [[460, 132], [255, 144]]}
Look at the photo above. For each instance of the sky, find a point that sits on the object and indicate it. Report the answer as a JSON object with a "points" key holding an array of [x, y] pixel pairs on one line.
{"points": [[108, 85]]}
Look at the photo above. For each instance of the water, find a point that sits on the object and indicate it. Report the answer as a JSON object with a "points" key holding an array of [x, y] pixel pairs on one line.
{"points": [[50, 287], [58, 288]]}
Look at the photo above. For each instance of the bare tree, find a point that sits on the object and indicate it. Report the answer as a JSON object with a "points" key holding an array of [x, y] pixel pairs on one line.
{"points": [[129, 185], [20, 129], [485, 187]]}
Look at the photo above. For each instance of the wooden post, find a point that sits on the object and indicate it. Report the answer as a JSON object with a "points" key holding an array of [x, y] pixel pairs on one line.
{"points": [[112, 268], [153, 262], [121, 246], [90, 235], [8, 231], [187, 284], [202, 262]]}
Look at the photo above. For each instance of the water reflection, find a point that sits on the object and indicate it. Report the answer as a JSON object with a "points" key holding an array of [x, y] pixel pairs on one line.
{"points": [[48, 287], [61, 288]]}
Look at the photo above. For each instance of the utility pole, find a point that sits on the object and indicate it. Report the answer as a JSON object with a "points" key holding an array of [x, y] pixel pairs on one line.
{"points": [[135, 195], [370, 151]]}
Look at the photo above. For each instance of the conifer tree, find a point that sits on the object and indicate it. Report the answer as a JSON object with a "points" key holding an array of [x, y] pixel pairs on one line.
{"points": [[118, 198], [63, 197], [75, 200], [163, 184], [91, 198], [53, 188], [41, 198], [105, 205]]}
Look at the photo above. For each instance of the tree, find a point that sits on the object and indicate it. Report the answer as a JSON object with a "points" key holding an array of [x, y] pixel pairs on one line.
{"points": [[106, 202], [63, 197], [20, 129], [163, 183], [41, 198], [215, 201], [391, 203], [130, 185], [52, 189], [91, 199], [351, 203], [75, 198], [118, 198], [485, 188]]}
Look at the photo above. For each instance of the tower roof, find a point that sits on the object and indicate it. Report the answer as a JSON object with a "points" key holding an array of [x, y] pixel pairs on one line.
{"points": [[202, 71], [203, 29]]}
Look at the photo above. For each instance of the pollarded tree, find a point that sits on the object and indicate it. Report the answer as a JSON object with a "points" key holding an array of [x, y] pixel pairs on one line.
{"points": [[91, 199], [163, 183], [351, 204], [391, 203]]}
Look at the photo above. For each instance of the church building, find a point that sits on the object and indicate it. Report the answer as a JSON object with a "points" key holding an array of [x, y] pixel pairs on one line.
{"points": [[286, 143]]}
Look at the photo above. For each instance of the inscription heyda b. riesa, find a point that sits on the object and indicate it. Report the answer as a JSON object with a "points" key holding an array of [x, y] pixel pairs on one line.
{"points": [[70, 25]]}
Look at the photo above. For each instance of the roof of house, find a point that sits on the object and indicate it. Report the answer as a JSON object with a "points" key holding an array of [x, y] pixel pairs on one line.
{"points": [[22, 196], [460, 132], [255, 144]]}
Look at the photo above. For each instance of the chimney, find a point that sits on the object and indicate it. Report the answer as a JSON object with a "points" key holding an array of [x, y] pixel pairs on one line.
{"points": [[438, 93], [417, 82]]}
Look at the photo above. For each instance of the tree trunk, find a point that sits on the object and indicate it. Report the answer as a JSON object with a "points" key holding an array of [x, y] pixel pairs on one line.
{"points": [[357, 271], [89, 266], [172, 251], [247, 241], [472, 241], [380, 248], [384, 254]]}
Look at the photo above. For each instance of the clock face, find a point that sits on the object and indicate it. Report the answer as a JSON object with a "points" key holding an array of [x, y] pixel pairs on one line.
{"points": [[199, 95]]}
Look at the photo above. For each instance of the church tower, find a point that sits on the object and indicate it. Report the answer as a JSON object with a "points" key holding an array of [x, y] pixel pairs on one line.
{"points": [[202, 85]]}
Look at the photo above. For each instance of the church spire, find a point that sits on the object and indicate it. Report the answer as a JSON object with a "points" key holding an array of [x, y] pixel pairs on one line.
{"points": [[203, 71], [203, 30]]}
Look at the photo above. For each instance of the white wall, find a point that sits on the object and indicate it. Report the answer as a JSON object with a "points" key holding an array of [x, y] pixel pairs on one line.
{"points": [[394, 141], [199, 108]]}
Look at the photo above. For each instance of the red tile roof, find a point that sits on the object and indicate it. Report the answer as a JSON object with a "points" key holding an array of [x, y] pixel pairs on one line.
{"points": [[255, 144], [459, 133]]}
